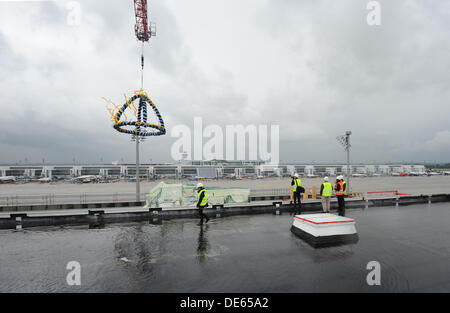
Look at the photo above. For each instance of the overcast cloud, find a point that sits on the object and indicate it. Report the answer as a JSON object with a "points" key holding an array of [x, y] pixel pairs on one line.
{"points": [[314, 67]]}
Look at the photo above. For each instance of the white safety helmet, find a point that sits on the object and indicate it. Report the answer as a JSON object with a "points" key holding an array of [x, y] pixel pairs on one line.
{"points": [[199, 185], [296, 175], [325, 178]]}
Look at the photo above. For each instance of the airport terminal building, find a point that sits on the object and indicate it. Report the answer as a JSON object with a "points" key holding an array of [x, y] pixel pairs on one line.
{"points": [[204, 169]]}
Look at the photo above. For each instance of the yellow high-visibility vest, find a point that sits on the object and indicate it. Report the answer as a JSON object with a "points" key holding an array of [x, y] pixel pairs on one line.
{"points": [[297, 183], [205, 198], [327, 189]]}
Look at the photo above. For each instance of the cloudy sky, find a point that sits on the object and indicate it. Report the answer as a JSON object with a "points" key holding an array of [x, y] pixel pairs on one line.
{"points": [[314, 67]]}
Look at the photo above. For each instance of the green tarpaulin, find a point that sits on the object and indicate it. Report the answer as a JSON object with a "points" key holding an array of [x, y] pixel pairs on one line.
{"points": [[184, 195]]}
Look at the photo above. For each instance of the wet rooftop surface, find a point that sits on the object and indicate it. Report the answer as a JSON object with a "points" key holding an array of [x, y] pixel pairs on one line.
{"points": [[255, 253]]}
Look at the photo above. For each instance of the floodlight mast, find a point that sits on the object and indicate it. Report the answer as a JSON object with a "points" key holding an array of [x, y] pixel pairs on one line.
{"points": [[349, 170], [344, 140]]}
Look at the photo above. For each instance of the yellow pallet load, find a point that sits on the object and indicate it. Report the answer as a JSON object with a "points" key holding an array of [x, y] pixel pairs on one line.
{"points": [[305, 195], [314, 193]]}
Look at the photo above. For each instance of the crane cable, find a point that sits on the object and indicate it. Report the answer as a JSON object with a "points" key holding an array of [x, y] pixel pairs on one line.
{"points": [[142, 66]]}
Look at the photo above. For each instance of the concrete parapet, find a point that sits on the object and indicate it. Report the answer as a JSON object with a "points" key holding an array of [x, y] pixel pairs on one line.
{"points": [[96, 214]]}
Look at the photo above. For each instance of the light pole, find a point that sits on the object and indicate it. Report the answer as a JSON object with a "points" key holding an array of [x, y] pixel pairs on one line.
{"points": [[138, 187], [344, 140]]}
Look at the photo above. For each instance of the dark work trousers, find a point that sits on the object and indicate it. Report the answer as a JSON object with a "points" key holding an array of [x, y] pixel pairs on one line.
{"points": [[202, 215], [297, 202], [341, 207]]}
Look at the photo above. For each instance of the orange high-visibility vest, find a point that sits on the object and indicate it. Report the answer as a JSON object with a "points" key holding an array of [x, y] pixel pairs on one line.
{"points": [[341, 191]]}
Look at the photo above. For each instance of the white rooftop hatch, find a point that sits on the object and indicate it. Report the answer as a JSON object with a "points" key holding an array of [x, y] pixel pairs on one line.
{"points": [[325, 229]]}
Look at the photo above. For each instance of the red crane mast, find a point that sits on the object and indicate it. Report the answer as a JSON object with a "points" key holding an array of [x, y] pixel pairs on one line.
{"points": [[141, 29]]}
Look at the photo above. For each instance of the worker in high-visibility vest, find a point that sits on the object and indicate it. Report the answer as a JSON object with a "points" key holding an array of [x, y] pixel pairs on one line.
{"points": [[326, 191], [339, 190], [345, 185], [297, 191], [202, 202]]}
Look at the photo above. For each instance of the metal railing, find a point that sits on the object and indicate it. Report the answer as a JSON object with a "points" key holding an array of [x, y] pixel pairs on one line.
{"points": [[270, 192], [76, 198], [84, 198]]}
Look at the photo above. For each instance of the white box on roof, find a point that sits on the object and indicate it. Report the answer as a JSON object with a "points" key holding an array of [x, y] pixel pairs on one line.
{"points": [[325, 229]]}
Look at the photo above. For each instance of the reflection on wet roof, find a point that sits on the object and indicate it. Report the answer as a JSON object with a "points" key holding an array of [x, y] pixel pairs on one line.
{"points": [[255, 253]]}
